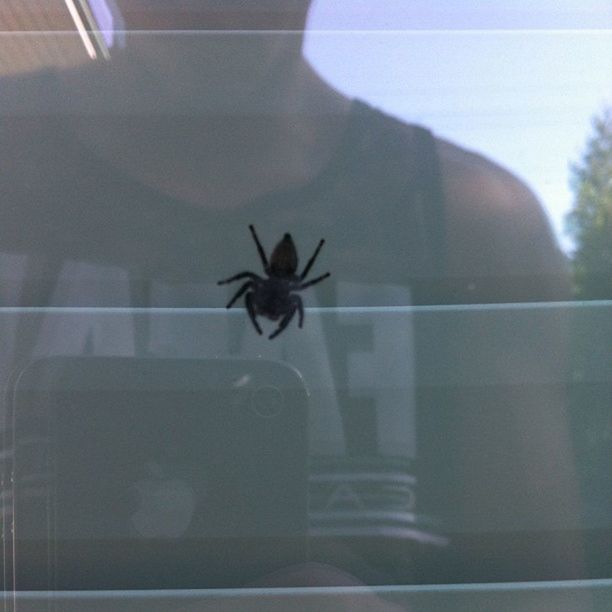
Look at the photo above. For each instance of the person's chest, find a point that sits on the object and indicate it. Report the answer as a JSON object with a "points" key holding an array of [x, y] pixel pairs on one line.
{"points": [[111, 243]]}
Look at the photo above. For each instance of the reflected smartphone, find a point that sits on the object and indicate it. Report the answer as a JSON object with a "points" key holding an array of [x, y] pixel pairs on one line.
{"points": [[156, 473]]}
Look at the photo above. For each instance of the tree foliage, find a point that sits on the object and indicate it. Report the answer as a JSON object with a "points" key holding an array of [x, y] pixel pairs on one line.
{"points": [[590, 221]]}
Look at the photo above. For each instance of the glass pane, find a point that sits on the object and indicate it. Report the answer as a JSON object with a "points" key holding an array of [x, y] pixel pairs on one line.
{"points": [[304, 296]]}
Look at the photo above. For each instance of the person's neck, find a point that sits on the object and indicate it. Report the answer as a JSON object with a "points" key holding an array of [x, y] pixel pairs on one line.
{"points": [[222, 157]]}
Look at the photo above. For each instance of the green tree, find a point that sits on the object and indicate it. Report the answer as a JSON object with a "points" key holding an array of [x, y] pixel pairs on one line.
{"points": [[590, 221]]}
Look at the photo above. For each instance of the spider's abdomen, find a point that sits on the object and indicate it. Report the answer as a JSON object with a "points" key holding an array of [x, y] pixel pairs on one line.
{"points": [[284, 260]]}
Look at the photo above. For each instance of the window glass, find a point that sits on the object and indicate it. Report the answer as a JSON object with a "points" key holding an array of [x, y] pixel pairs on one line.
{"points": [[304, 294]]}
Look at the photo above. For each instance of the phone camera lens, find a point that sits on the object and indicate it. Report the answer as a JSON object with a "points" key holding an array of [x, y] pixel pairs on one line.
{"points": [[268, 401]]}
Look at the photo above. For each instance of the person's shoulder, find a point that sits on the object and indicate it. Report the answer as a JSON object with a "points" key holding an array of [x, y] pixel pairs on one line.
{"points": [[492, 217], [495, 227], [494, 220], [475, 185]]}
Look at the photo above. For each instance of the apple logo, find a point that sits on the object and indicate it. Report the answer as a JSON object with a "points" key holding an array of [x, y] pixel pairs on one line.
{"points": [[166, 505]]}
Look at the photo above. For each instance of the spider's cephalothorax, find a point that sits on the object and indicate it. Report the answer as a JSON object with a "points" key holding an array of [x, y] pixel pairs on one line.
{"points": [[274, 297]]}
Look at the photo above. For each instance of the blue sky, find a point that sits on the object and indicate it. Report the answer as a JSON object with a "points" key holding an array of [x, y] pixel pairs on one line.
{"points": [[517, 81]]}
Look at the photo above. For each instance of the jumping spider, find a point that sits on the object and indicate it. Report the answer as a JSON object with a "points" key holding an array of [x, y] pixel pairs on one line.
{"points": [[274, 297]]}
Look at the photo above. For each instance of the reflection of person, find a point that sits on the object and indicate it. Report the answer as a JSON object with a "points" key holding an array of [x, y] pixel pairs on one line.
{"points": [[243, 116], [133, 188]]}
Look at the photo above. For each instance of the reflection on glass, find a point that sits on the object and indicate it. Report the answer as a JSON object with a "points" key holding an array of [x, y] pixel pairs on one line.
{"points": [[414, 421]]}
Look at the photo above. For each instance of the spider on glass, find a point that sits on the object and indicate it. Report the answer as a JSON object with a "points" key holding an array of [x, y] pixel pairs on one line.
{"points": [[273, 297]]}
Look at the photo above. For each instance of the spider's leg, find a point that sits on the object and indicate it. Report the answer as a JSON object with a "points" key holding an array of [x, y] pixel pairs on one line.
{"points": [[236, 277], [297, 300], [284, 322], [314, 281], [239, 293], [248, 300], [311, 260], [260, 249]]}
